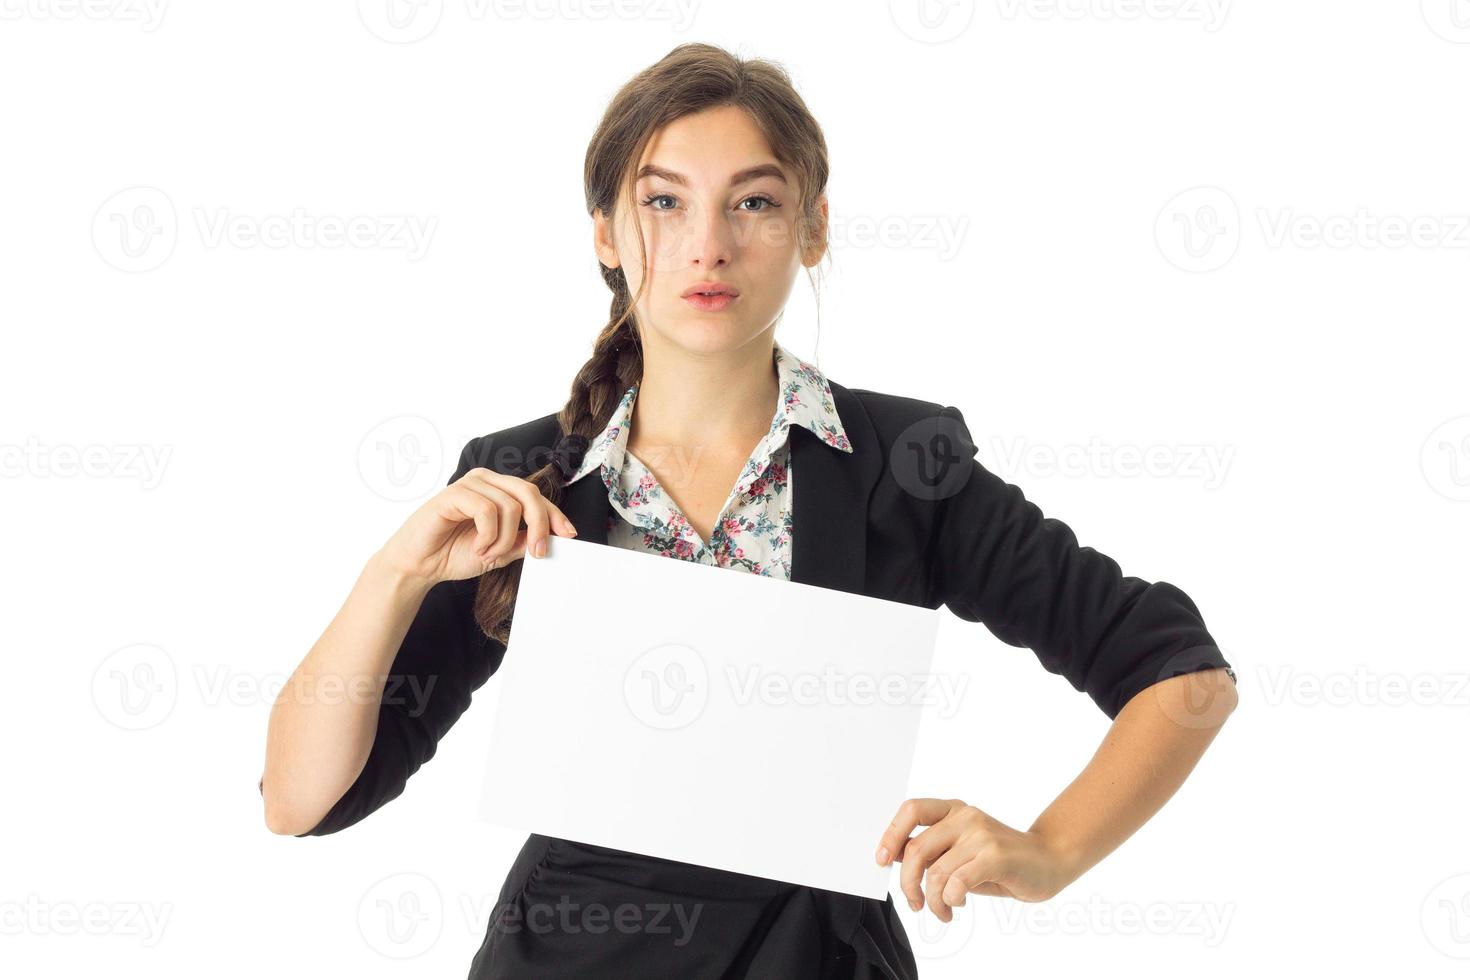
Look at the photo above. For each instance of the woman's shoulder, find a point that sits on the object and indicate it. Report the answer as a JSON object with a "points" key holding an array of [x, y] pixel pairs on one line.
{"points": [[885, 406], [506, 450], [897, 420]]}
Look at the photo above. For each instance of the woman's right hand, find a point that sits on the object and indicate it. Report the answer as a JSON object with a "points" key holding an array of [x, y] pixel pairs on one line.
{"points": [[472, 526]]}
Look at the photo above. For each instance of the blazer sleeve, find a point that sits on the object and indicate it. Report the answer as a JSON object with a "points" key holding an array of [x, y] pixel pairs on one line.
{"points": [[444, 658], [998, 560]]}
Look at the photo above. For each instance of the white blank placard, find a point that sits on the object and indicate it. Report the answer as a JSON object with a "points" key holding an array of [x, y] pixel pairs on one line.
{"points": [[707, 715]]}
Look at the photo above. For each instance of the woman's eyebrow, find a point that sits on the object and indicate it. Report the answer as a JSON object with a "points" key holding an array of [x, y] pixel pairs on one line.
{"points": [[739, 177]]}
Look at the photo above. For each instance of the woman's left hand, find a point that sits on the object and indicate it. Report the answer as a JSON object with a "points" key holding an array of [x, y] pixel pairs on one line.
{"points": [[966, 851]]}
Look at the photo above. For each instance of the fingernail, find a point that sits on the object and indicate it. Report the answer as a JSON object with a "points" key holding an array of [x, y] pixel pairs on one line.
{"points": [[541, 548], [913, 905], [882, 855]]}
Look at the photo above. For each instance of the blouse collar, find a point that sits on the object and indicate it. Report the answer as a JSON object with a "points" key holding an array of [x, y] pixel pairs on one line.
{"points": [[805, 400]]}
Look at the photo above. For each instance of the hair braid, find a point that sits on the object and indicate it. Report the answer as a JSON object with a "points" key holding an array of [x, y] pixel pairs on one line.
{"points": [[615, 366]]}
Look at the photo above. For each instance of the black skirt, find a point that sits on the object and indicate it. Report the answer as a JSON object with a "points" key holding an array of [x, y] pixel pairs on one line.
{"points": [[569, 909]]}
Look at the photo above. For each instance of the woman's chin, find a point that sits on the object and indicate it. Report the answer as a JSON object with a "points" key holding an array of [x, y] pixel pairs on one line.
{"points": [[706, 334]]}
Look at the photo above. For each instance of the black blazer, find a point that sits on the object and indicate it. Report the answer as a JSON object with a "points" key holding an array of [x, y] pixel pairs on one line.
{"points": [[909, 515]]}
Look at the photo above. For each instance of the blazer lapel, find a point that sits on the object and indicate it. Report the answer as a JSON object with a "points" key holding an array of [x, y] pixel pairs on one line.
{"points": [[586, 505], [830, 506]]}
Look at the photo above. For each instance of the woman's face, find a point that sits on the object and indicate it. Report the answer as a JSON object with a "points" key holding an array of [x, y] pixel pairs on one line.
{"points": [[714, 206]]}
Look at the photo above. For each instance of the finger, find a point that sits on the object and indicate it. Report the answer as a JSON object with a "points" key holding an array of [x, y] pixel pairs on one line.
{"points": [[507, 521], [918, 854], [538, 521], [908, 881], [558, 522], [562, 521], [517, 551], [536, 510], [497, 517], [911, 814], [463, 502], [507, 494], [937, 884], [509, 537], [976, 876], [486, 517]]}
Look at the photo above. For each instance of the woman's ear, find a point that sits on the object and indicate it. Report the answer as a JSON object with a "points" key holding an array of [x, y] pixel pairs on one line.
{"points": [[602, 242], [813, 252]]}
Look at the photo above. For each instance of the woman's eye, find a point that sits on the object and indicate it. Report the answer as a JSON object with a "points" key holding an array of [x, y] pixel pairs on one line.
{"points": [[762, 199], [658, 197]]}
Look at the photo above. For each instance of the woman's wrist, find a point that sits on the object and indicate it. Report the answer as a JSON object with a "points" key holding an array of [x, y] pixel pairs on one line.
{"points": [[1066, 857], [383, 575]]}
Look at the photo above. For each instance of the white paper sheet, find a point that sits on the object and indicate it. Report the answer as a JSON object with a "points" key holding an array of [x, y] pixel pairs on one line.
{"points": [[707, 715]]}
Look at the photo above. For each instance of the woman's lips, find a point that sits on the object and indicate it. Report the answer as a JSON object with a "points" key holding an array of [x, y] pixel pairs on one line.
{"points": [[710, 304]]}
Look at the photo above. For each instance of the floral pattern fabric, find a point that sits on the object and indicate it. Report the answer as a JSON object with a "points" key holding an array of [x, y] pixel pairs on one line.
{"points": [[753, 532]]}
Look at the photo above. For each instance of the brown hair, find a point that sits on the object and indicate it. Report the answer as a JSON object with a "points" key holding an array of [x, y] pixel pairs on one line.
{"points": [[690, 78]]}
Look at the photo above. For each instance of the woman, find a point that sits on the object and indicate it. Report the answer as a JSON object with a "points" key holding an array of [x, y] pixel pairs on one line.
{"points": [[706, 184]]}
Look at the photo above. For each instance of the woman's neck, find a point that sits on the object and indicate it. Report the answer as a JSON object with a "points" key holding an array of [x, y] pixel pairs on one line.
{"points": [[690, 398]]}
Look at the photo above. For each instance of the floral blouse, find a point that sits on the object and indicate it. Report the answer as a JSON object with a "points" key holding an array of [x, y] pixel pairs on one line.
{"points": [[753, 532]]}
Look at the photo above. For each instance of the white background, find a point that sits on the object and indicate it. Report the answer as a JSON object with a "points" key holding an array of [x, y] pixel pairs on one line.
{"points": [[1096, 225]]}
